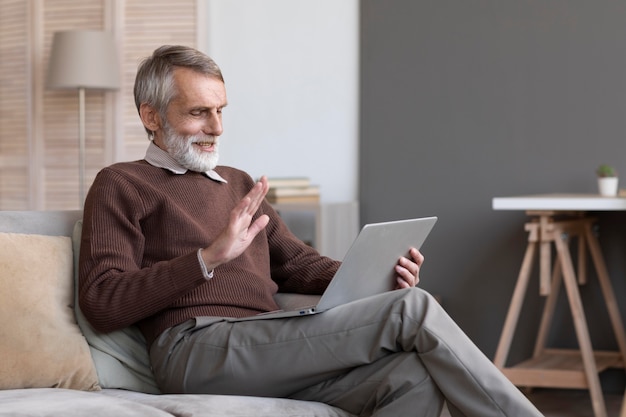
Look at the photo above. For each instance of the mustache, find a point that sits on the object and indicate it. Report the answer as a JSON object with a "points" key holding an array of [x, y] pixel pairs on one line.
{"points": [[203, 138]]}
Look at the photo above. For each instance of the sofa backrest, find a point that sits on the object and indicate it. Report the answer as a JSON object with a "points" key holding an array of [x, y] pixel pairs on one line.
{"points": [[54, 223], [120, 357]]}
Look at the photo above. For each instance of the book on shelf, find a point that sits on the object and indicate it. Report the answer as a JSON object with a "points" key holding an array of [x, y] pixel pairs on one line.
{"points": [[280, 182], [293, 191], [294, 200], [308, 194]]}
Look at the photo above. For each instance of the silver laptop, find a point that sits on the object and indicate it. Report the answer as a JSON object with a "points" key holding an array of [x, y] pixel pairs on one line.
{"points": [[368, 267]]}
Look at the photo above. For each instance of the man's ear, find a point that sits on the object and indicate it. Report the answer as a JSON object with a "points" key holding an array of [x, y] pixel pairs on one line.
{"points": [[149, 117]]}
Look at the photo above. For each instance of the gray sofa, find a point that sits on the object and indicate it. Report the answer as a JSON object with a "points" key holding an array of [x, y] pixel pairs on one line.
{"points": [[54, 364]]}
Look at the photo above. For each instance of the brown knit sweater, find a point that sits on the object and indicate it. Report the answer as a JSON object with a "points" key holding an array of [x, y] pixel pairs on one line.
{"points": [[142, 228]]}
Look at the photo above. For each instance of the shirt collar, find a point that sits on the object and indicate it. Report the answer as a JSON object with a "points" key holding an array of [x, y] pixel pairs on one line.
{"points": [[159, 158]]}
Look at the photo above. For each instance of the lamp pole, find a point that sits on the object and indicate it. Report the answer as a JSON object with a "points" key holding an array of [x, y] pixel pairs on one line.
{"points": [[81, 146]]}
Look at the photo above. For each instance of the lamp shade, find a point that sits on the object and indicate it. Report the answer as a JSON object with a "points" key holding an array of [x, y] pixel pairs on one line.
{"points": [[83, 59]]}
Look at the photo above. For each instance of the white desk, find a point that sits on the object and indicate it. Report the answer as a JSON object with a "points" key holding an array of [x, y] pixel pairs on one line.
{"points": [[560, 202], [555, 220]]}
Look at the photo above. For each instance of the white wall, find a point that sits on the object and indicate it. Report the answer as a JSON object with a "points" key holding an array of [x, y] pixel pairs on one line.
{"points": [[291, 71]]}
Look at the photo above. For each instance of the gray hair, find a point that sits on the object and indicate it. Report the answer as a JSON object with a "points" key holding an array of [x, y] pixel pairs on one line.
{"points": [[154, 83]]}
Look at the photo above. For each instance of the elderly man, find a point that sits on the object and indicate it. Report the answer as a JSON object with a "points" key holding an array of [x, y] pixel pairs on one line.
{"points": [[179, 246]]}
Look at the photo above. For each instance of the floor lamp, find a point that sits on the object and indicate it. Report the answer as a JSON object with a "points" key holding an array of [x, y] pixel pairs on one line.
{"points": [[83, 60]]}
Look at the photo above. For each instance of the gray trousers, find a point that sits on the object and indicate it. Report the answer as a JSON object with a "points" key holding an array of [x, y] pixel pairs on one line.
{"points": [[395, 354]]}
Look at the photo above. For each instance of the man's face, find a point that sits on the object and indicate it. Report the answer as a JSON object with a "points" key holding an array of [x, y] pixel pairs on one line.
{"points": [[193, 120]]}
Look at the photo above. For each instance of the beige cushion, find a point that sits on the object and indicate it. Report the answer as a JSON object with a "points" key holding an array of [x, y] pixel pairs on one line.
{"points": [[40, 342]]}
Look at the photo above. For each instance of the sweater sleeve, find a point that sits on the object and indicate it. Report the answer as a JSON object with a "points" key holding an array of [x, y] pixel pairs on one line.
{"points": [[115, 288]]}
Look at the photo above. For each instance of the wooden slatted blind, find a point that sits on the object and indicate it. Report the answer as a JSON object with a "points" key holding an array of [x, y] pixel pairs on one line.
{"points": [[14, 105], [39, 127], [149, 24]]}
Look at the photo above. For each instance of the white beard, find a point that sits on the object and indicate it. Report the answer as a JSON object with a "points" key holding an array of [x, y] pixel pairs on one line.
{"points": [[181, 149]]}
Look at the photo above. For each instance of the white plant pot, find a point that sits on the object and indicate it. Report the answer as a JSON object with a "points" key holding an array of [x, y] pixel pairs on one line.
{"points": [[608, 186]]}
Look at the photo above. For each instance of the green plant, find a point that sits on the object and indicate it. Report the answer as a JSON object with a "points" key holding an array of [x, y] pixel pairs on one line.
{"points": [[606, 170]]}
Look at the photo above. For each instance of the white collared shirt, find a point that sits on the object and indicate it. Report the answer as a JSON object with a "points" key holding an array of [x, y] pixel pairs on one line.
{"points": [[159, 158]]}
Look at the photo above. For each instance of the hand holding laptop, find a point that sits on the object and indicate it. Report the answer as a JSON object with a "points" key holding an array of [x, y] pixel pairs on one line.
{"points": [[408, 270]]}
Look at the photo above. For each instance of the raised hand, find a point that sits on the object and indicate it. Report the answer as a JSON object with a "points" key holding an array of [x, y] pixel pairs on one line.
{"points": [[240, 231]]}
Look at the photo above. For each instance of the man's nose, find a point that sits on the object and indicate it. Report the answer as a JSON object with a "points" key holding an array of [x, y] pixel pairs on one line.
{"points": [[213, 125]]}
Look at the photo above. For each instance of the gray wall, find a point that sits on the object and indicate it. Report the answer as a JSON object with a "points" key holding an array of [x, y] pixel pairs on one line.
{"points": [[462, 101]]}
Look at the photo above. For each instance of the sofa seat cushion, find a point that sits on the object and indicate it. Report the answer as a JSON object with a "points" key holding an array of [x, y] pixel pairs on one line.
{"points": [[202, 405], [57, 402]]}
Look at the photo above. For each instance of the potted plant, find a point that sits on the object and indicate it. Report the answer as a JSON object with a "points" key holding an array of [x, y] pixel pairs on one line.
{"points": [[607, 180]]}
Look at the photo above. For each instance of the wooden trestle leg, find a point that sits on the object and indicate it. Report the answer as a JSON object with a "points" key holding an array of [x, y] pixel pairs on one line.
{"points": [[562, 368]]}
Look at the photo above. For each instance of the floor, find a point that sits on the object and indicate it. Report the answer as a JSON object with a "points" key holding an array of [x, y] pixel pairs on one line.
{"points": [[568, 403]]}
